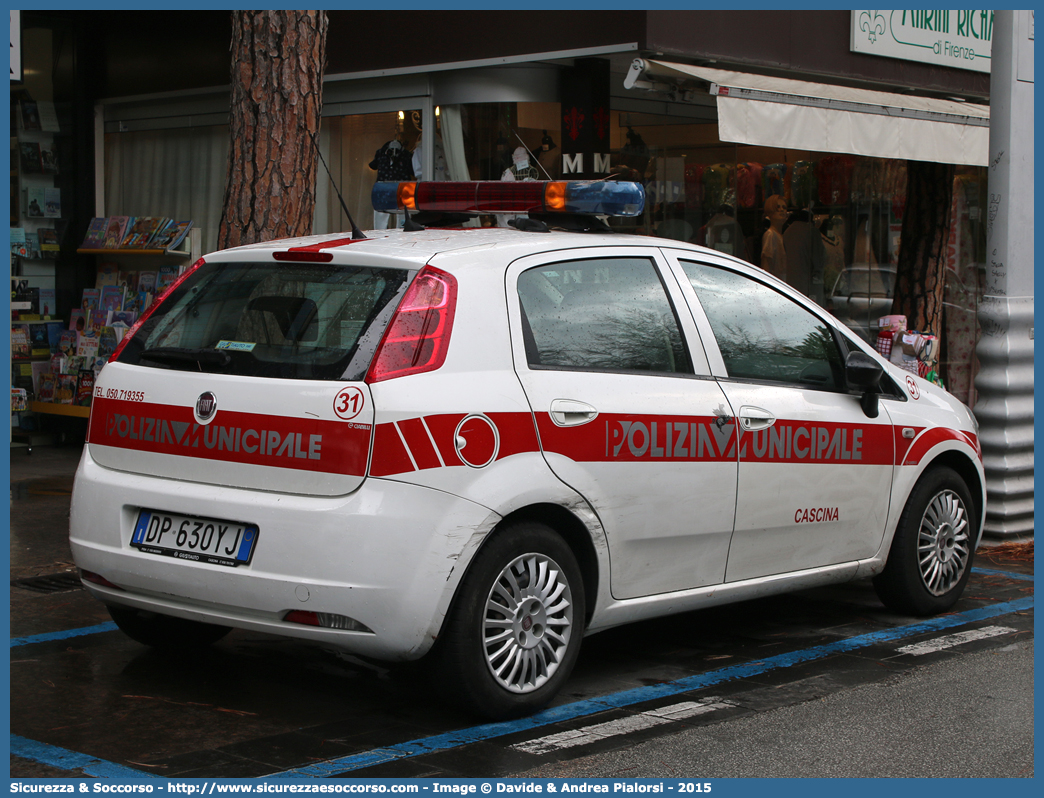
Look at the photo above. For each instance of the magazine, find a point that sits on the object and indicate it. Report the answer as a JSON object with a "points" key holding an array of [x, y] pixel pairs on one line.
{"points": [[115, 231], [65, 389], [172, 235], [111, 298], [45, 392], [95, 237], [85, 385], [20, 347]]}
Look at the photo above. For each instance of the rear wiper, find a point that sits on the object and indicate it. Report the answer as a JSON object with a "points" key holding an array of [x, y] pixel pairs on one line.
{"points": [[176, 355]]}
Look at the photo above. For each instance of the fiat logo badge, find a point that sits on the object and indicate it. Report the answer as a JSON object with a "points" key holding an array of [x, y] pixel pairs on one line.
{"points": [[206, 407]]}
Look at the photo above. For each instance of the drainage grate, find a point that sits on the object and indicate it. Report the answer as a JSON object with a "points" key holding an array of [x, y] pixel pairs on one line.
{"points": [[50, 583]]}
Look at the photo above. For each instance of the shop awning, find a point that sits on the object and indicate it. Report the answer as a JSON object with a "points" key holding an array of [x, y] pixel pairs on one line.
{"points": [[797, 114]]}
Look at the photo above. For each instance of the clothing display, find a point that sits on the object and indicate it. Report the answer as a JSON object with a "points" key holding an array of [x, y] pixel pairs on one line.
{"points": [[833, 179], [520, 168], [717, 181], [723, 233], [440, 172], [833, 254], [393, 162], [774, 254], [774, 180], [748, 181], [805, 257], [803, 184]]}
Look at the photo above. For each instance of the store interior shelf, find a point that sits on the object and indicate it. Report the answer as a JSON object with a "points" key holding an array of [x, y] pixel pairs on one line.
{"points": [[177, 253], [60, 410]]}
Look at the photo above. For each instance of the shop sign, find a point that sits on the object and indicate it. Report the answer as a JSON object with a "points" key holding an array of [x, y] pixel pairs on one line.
{"points": [[959, 39], [585, 119]]}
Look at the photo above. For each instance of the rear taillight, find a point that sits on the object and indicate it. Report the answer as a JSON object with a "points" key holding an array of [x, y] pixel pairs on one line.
{"points": [[418, 336], [98, 579], [148, 311], [326, 620]]}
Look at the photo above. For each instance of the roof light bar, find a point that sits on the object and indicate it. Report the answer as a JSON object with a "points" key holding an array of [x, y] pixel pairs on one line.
{"points": [[610, 198]]}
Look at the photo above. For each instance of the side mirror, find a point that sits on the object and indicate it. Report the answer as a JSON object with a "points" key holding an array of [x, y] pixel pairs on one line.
{"points": [[864, 373]]}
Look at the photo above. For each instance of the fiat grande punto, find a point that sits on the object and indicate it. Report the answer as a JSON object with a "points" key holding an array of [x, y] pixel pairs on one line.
{"points": [[480, 445]]}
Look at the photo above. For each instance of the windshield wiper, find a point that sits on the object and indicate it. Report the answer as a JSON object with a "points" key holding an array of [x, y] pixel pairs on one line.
{"points": [[177, 355]]}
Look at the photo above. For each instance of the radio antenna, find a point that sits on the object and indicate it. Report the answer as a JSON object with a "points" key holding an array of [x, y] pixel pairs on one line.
{"points": [[356, 232]]}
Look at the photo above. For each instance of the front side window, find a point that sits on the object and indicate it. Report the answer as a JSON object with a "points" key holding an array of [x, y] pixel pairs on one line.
{"points": [[764, 335], [602, 314], [290, 321]]}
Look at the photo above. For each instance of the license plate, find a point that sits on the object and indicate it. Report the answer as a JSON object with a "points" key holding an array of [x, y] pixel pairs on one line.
{"points": [[187, 537]]}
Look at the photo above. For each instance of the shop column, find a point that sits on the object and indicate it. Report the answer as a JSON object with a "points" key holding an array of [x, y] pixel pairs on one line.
{"points": [[1005, 349]]}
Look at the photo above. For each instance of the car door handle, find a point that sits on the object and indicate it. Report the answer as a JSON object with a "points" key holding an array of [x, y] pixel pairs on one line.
{"points": [[754, 418], [570, 413]]}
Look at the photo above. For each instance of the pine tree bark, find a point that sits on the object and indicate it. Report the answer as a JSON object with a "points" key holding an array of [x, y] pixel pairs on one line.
{"points": [[278, 60], [921, 270]]}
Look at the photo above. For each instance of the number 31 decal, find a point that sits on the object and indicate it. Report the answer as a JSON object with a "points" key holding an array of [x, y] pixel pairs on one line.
{"points": [[349, 403]]}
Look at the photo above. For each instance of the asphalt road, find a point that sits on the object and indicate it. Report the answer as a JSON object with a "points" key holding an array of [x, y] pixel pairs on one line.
{"points": [[964, 717]]}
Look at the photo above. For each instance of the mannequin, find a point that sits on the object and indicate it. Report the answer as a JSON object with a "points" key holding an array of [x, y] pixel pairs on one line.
{"points": [[439, 172], [723, 233], [805, 255], [773, 253], [520, 169], [392, 162]]}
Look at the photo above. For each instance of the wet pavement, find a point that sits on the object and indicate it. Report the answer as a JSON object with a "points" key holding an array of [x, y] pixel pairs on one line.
{"points": [[98, 704]]}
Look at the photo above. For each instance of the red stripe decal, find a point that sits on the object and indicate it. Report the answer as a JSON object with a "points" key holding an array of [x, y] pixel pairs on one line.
{"points": [[389, 455], [442, 429], [622, 437], [420, 444], [306, 444], [517, 433], [933, 437]]}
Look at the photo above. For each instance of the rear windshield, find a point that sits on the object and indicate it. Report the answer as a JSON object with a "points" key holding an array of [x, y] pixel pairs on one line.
{"points": [[300, 321]]}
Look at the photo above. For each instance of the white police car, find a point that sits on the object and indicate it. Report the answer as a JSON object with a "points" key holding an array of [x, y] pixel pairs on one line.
{"points": [[484, 444]]}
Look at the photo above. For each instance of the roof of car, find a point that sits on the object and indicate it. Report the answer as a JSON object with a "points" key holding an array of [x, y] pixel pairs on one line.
{"points": [[419, 247]]}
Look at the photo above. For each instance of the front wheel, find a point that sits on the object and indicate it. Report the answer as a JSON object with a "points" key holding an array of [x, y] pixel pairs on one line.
{"points": [[931, 555], [514, 631], [165, 632]]}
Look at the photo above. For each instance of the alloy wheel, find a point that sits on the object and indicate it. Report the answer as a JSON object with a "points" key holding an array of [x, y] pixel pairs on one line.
{"points": [[943, 547], [527, 623]]}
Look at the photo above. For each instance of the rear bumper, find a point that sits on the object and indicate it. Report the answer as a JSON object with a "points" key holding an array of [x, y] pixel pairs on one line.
{"points": [[390, 556]]}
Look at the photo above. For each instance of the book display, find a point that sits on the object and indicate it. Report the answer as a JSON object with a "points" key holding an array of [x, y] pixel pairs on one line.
{"points": [[56, 362]]}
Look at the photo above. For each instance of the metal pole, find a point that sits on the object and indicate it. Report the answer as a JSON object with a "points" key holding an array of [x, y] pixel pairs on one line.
{"points": [[1005, 349]]}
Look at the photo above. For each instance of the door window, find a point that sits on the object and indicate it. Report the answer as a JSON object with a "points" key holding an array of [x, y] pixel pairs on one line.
{"points": [[604, 314], [764, 335]]}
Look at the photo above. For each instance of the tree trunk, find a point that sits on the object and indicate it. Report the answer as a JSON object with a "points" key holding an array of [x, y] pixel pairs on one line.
{"points": [[278, 58], [920, 273]]}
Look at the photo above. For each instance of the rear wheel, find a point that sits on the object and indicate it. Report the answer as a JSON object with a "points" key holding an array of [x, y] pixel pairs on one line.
{"points": [[513, 634], [165, 632], [931, 555]]}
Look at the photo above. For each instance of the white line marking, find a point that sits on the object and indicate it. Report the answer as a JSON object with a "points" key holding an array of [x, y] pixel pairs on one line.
{"points": [[949, 641], [612, 728]]}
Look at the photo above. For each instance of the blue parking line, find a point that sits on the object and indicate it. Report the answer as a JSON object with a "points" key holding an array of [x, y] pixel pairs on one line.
{"points": [[579, 709], [92, 766], [108, 626], [1009, 574], [71, 760]]}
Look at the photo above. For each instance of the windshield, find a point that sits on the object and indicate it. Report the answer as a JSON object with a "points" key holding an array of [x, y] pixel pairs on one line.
{"points": [[291, 321]]}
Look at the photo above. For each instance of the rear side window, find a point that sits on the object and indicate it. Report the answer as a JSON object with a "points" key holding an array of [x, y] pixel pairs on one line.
{"points": [[604, 314], [290, 321], [764, 335]]}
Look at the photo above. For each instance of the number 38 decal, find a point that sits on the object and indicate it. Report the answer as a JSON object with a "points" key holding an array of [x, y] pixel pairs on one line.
{"points": [[349, 403]]}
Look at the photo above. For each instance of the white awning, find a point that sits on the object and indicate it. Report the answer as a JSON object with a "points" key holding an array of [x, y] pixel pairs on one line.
{"points": [[797, 114]]}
